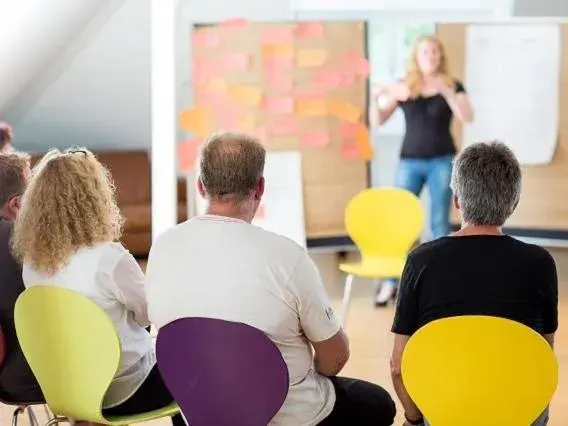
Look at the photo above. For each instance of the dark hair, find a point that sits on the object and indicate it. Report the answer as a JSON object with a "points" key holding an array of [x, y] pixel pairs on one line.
{"points": [[6, 136], [13, 169]]}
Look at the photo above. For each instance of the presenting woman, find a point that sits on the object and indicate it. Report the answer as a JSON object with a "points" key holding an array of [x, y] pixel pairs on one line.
{"points": [[429, 98]]}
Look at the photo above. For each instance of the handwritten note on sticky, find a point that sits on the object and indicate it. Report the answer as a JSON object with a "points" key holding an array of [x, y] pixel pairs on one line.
{"points": [[215, 85], [235, 61], [283, 126], [311, 106], [196, 120], [205, 38], [315, 139], [277, 35], [280, 49], [363, 142], [309, 29], [344, 110], [327, 79], [280, 105], [311, 58], [188, 151], [245, 95]]}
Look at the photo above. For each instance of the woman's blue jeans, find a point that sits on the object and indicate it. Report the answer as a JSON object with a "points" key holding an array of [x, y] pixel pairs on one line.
{"points": [[414, 173]]}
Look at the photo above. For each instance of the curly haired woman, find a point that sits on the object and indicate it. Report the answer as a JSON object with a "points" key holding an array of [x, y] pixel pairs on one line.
{"points": [[66, 233]]}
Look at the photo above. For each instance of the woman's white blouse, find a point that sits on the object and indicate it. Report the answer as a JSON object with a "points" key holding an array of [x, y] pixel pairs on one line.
{"points": [[110, 276]]}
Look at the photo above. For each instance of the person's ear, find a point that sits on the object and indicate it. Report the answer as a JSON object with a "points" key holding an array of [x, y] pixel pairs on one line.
{"points": [[201, 188], [259, 190], [455, 202]]}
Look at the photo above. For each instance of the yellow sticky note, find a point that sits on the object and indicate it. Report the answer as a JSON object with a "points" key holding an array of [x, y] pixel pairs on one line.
{"points": [[344, 110], [245, 95], [196, 120], [215, 85], [311, 106], [248, 122], [278, 49], [311, 58]]}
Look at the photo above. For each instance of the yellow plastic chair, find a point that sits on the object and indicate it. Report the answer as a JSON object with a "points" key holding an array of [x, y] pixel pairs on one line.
{"points": [[74, 352], [383, 223], [479, 370]]}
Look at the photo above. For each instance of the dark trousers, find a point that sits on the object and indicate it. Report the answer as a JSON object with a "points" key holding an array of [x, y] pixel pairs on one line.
{"points": [[360, 403], [151, 395]]}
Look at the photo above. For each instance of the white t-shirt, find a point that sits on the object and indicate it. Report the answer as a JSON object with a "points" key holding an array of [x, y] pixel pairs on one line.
{"points": [[217, 267], [110, 276]]}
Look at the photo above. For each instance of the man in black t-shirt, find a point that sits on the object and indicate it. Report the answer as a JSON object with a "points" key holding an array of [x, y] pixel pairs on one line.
{"points": [[477, 270]]}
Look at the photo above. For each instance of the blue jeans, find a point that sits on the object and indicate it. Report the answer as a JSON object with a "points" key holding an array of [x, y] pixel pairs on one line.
{"points": [[436, 173]]}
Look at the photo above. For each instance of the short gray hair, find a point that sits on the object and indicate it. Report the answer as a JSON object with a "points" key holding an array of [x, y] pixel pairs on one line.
{"points": [[231, 165], [486, 179]]}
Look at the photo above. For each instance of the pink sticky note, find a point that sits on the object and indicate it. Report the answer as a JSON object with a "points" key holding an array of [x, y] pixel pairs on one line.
{"points": [[235, 23], [356, 62], [327, 79], [284, 126], [203, 70], [284, 105], [347, 80], [209, 99], [349, 149], [348, 130], [278, 82], [235, 61], [228, 120], [315, 139], [277, 63], [205, 38], [276, 35], [309, 29]]}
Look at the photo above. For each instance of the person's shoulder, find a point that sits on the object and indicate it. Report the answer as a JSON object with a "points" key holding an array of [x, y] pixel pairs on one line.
{"points": [[429, 248], [533, 252], [277, 242]]}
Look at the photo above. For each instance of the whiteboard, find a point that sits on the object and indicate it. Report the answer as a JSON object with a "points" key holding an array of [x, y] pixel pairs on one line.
{"points": [[282, 205], [512, 76]]}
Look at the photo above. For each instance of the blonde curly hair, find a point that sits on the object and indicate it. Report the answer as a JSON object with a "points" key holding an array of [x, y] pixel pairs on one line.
{"points": [[69, 204]]}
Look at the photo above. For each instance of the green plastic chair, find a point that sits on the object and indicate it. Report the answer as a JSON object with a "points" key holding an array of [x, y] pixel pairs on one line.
{"points": [[74, 352]]}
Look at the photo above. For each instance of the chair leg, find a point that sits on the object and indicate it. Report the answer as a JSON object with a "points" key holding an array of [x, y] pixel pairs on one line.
{"points": [[346, 297], [32, 417], [48, 413], [17, 412], [55, 421]]}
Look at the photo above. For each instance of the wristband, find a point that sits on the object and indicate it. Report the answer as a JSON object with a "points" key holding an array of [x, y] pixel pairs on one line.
{"points": [[418, 422]]}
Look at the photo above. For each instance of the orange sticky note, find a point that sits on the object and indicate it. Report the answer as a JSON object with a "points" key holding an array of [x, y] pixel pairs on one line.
{"points": [[188, 151], [235, 61], [344, 110], [284, 126], [311, 106], [309, 29], [315, 139], [248, 122], [284, 105], [311, 58], [245, 95], [363, 142], [281, 49], [196, 120], [327, 79], [215, 85], [276, 35]]}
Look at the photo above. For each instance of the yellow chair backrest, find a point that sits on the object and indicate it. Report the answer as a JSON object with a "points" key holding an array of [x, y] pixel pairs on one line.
{"points": [[384, 221], [479, 370], [72, 348]]}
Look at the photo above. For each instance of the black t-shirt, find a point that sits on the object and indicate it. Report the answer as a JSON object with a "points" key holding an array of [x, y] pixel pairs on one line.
{"points": [[17, 382], [428, 120], [478, 275]]}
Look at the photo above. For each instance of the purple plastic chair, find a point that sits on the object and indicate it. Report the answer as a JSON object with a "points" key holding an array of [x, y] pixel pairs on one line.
{"points": [[222, 373]]}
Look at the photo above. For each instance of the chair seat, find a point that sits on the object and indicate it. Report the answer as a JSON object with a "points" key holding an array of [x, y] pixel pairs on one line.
{"points": [[377, 267], [167, 411]]}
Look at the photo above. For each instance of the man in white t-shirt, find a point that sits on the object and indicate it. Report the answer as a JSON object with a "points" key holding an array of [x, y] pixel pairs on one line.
{"points": [[220, 266]]}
